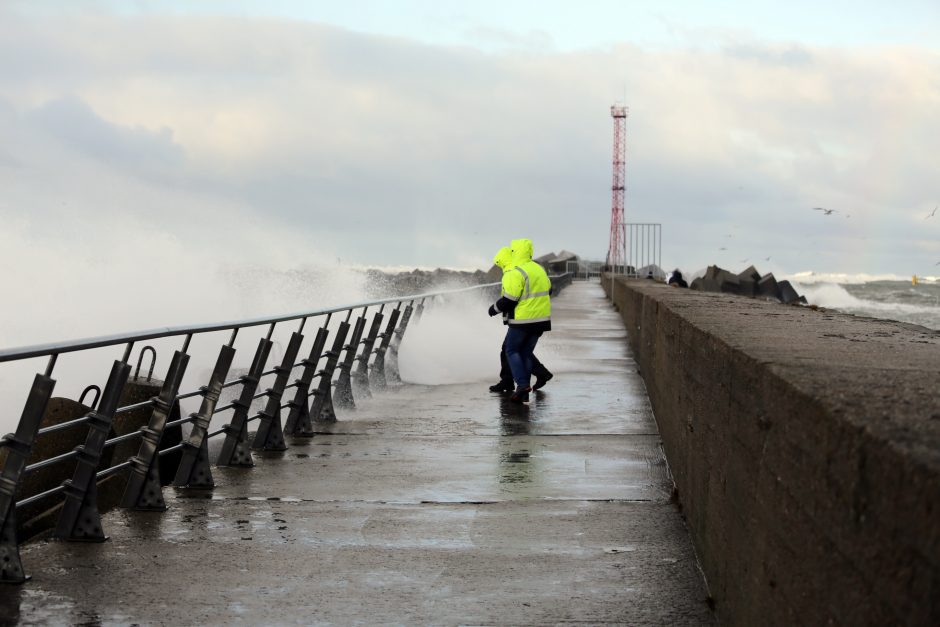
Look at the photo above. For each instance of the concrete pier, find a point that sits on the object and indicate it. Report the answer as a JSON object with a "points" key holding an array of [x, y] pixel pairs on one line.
{"points": [[425, 505], [805, 447]]}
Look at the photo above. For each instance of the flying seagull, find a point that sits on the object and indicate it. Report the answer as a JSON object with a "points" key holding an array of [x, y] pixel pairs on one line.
{"points": [[932, 213], [767, 259], [828, 212]]}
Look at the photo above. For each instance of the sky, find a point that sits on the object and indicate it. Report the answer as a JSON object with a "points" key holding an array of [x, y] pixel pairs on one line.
{"points": [[176, 140]]}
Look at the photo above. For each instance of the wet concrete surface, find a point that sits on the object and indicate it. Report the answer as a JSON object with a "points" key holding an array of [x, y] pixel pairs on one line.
{"points": [[425, 505]]}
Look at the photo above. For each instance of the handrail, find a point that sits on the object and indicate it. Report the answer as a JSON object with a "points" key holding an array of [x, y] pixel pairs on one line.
{"points": [[79, 516], [55, 348]]}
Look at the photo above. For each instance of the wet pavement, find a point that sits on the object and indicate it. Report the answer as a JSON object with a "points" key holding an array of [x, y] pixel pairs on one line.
{"points": [[426, 505]]}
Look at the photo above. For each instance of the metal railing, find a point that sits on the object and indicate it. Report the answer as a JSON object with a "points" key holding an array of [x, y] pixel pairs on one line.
{"points": [[644, 244], [367, 358], [582, 270], [642, 251]]}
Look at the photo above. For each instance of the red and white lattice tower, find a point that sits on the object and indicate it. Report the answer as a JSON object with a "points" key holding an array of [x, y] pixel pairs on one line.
{"points": [[617, 252]]}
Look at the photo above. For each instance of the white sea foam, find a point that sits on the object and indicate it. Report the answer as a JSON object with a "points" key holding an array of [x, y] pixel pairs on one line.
{"points": [[887, 295], [84, 283], [809, 277], [830, 295], [454, 342], [925, 310]]}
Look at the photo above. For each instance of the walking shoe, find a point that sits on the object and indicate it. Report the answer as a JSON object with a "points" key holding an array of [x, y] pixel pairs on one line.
{"points": [[502, 386], [521, 395], [541, 381]]}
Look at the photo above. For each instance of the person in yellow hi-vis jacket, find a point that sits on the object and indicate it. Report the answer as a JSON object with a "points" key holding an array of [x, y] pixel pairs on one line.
{"points": [[527, 294], [503, 260]]}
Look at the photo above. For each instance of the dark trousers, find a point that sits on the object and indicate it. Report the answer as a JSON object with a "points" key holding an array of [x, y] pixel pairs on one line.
{"points": [[528, 360], [539, 371]]}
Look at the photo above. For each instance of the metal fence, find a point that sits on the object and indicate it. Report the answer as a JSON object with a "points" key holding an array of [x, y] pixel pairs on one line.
{"points": [[644, 244], [582, 270], [642, 251], [357, 357]]}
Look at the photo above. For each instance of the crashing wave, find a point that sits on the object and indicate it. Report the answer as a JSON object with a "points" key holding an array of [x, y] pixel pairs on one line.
{"points": [[808, 276]]}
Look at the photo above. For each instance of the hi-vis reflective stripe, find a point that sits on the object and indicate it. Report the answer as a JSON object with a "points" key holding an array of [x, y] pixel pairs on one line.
{"points": [[529, 320], [525, 291], [526, 294]]}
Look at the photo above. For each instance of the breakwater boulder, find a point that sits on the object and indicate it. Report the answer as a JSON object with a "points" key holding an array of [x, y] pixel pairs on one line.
{"points": [[559, 263], [748, 283], [41, 516], [418, 281]]}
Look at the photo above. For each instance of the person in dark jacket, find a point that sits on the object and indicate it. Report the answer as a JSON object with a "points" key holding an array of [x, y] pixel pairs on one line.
{"points": [[676, 279]]}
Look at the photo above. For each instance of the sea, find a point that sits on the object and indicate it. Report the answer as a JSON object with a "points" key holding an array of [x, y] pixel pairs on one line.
{"points": [[891, 299]]}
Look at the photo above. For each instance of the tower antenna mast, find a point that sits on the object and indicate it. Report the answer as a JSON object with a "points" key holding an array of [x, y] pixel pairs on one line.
{"points": [[616, 253]]}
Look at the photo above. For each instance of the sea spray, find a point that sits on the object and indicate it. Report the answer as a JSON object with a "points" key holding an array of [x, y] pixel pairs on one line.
{"points": [[893, 300], [454, 342], [159, 286]]}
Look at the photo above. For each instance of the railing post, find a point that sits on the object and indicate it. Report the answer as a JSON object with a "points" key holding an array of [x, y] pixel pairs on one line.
{"points": [[143, 490], [377, 374], [270, 435], [80, 519], [298, 421], [322, 408], [419, 310], [194, 470], [19, 446], [393, 373], [361, 375], [235, 450], [344, 396]]}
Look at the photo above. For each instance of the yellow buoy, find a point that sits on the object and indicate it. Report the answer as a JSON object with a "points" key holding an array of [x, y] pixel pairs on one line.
{"points": [[914, 280]]}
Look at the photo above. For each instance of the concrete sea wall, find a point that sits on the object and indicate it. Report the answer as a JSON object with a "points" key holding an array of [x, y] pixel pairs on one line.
{"points": [[805, 448]]}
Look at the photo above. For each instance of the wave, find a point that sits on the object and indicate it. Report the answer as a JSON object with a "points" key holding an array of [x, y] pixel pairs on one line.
{"points": [[829, 295], [883, 303], [809, 277]]}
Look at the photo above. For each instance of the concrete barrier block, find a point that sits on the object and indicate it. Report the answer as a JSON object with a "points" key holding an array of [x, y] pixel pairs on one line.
{"points": [[35, 518], [747, 287], [39, 517], [788, 295], [748, 283], [711, 285], [767, 288], [139, 389], [750, 274], [729, 283], [711, 272]]}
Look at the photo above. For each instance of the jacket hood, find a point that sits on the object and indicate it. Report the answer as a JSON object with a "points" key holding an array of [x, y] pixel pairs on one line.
{"points": [[521, 251], [503, 258]]}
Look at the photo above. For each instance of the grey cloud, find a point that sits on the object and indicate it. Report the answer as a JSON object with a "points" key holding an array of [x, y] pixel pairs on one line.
{"points": [[379, 145], [533, 40], [73, 122], [790, 55]]}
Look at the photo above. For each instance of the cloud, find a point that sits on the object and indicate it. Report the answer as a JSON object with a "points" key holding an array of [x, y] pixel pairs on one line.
{"points": [[73, 122], [387, 151], [502, 39], [790, 55]]}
